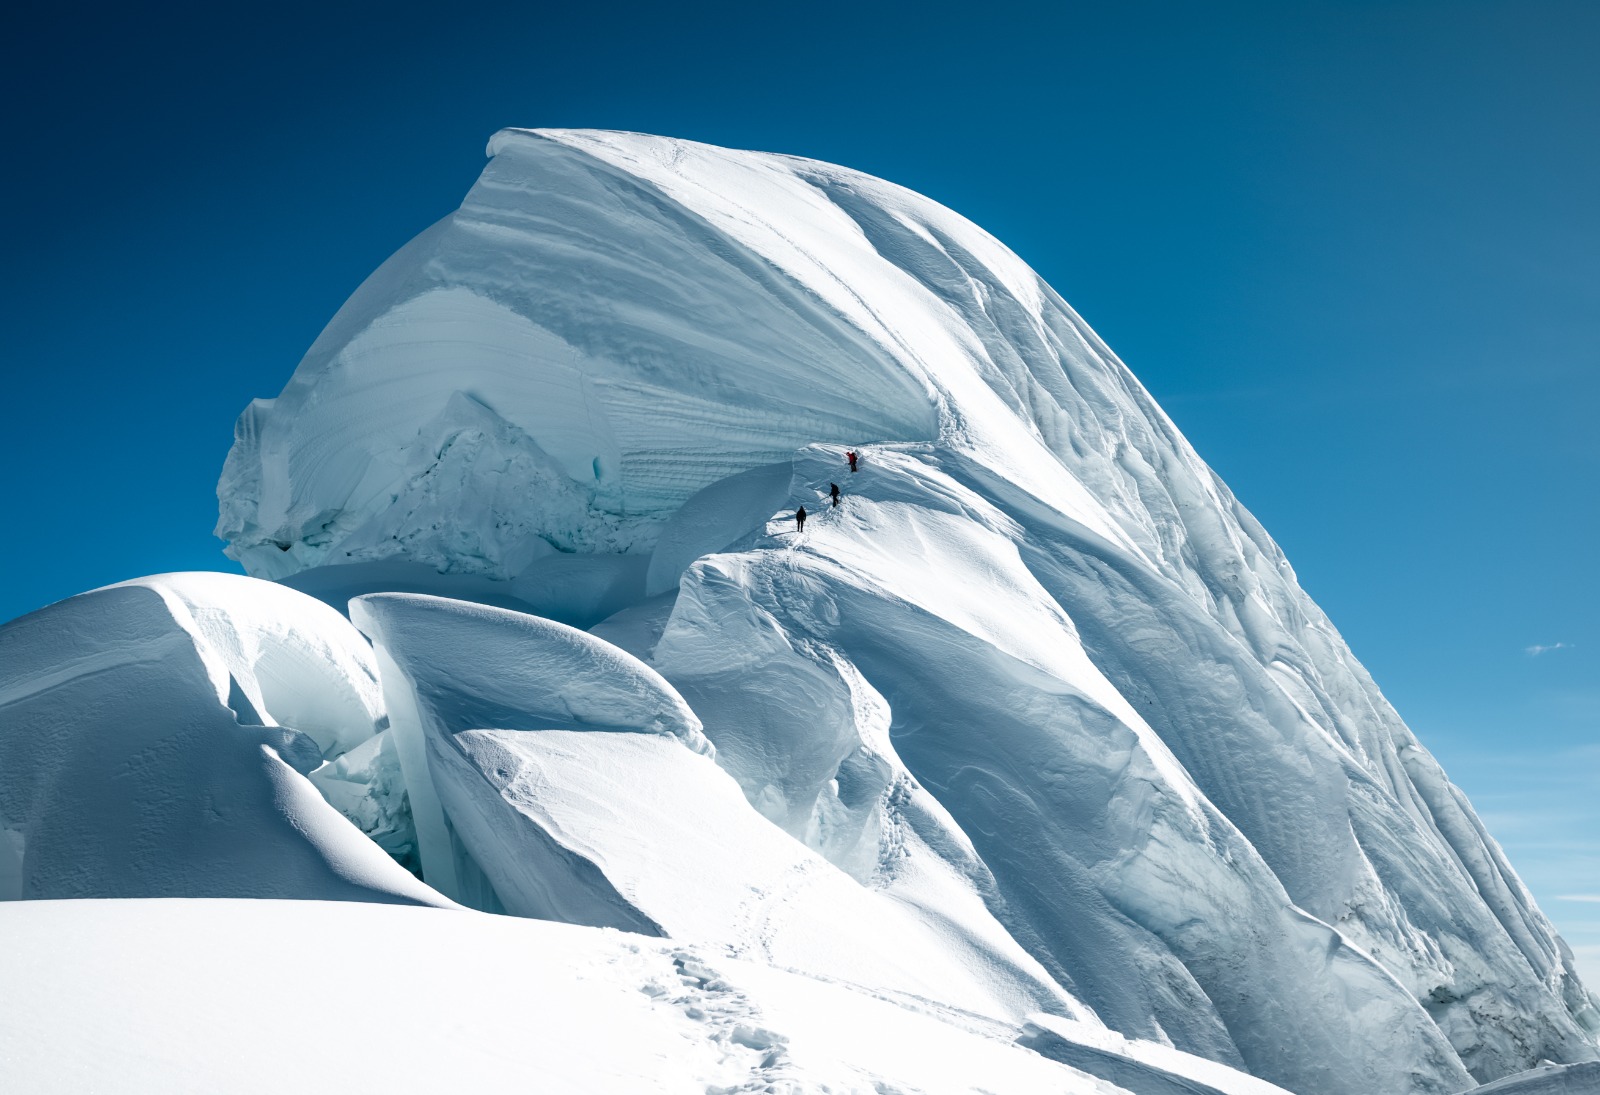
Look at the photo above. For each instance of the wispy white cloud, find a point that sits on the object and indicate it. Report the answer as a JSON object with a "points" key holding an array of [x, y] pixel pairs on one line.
{"points": [[1544, 648], [1595, 897]]}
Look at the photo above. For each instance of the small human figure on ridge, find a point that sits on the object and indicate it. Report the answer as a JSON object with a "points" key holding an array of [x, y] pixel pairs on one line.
{"points": [[833, 492], [851, 456], [800, 519]]}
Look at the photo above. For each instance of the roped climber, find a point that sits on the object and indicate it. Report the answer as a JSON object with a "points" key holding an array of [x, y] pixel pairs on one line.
{"points": [[833, 492], [800, 519], [851, 456]]}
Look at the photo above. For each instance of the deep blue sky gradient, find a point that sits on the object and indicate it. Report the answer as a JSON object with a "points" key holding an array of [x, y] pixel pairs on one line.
{"points": [[1352, 247]]}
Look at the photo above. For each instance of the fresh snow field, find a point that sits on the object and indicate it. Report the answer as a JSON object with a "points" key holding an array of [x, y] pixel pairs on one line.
{"points": [[201, 996], [1029, 767]]}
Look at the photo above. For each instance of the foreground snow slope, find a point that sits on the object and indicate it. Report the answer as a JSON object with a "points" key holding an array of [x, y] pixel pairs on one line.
{"points": [[258, 996], [1041, 649]]}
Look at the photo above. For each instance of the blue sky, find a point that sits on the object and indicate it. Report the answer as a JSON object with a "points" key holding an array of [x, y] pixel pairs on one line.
{"points": [[1352, 247]]}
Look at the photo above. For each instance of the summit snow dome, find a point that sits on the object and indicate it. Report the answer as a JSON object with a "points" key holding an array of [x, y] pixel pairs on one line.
{"points": [[611, 322]]}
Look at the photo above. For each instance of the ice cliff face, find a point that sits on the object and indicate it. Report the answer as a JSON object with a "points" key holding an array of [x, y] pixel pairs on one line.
{"points": [[1040, 696]]}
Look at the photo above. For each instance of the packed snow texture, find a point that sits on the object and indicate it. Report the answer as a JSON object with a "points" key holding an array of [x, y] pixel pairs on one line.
{"points": [[179, 997], [451, 667], [156, 738], [1578, 1079], [578, 801]]}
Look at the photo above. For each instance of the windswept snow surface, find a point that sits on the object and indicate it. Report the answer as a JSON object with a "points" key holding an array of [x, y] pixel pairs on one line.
{"points": [[610, 824], [1578, 1079], [174, 997], [156, 738], [452, 666], [1040, 677]]}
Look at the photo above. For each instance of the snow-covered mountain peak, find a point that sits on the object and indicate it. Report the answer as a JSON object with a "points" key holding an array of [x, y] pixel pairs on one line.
{"points": [[602, 385], [645, 317], [1028, 733]]}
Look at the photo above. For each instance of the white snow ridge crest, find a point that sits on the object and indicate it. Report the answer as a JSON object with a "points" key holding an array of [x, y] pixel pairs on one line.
{"points": [[1028, 767]]}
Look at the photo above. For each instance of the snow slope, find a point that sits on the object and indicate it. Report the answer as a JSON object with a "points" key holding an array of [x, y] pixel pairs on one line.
{"points": [[1578, 1079], [579, 802], [144, 752], [1104, 854], [271, 996], [156, 736]]}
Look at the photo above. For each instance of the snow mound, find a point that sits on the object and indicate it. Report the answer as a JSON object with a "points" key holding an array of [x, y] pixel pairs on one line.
{"points": [[452, 666], [715, 518], [286, 660], [147, 747], [633, 830]]}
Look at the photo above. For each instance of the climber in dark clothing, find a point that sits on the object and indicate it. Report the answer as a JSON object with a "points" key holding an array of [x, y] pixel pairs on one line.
{"points": [[800, 519], [851, 456], [833, 492]]}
